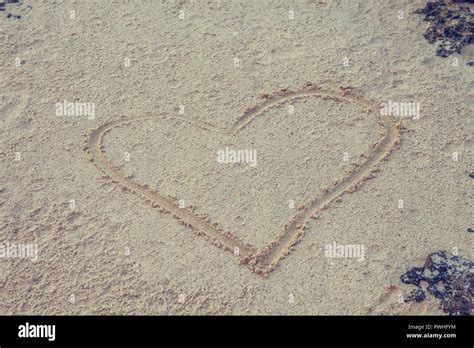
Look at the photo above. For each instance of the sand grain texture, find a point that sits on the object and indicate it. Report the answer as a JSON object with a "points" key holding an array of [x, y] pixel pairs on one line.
{"points": [[120, 249]]}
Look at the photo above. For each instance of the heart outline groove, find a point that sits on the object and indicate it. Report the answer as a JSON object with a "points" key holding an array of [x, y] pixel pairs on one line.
{"points": [[265, 260]]}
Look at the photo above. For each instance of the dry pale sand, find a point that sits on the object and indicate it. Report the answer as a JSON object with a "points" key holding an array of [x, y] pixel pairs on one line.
{"points": [[131, 211]]}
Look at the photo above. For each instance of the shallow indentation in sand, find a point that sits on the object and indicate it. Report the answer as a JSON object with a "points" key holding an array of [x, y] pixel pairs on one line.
{"points": [[264, 259]]}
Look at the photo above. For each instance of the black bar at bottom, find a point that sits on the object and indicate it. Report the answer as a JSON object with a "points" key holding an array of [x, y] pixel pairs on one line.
{"points": [[141, 330]]}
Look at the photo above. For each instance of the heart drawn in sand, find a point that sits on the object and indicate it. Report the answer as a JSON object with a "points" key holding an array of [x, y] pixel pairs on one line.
{"points": [[265, 260]]}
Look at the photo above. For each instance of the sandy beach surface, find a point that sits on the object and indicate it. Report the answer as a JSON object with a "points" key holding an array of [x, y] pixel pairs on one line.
{"points": [[118, 122]]}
